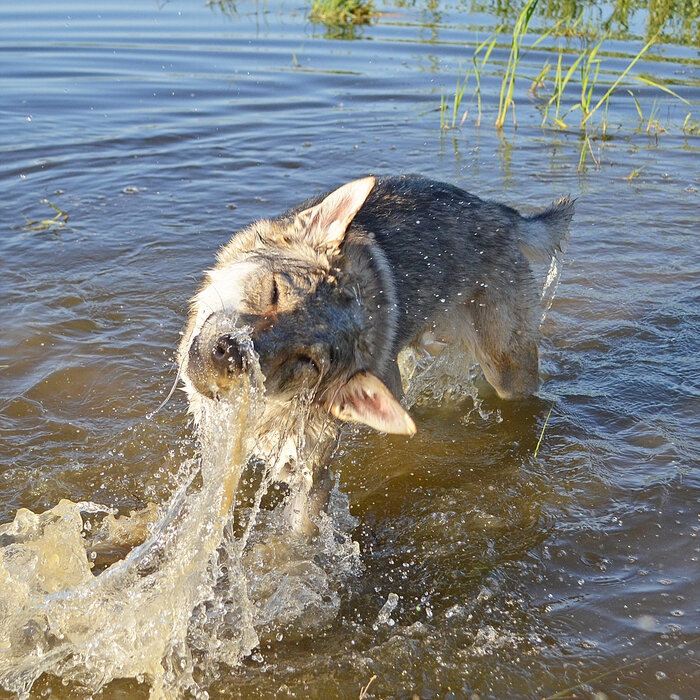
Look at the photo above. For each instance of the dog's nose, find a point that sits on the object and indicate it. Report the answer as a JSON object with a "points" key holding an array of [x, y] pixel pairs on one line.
{"points": [[227, 357]]}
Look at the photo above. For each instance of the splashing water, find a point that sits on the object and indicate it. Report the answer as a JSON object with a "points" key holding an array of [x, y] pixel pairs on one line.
{"points": [[131, 620], [549, 289], [188, 598], [190, 595]]}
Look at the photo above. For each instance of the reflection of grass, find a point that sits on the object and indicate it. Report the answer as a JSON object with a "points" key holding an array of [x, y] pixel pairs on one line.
{"points": [[342, 12], [676, 21], [228, 7], [552, 87]]}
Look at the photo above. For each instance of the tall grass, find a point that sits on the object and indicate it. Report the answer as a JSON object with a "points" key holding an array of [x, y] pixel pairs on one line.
{"points": [[479, 62], [505, 99], [555, 84]]}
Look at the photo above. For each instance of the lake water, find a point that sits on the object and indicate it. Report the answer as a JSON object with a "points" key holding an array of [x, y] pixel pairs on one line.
{"points": [[480, 569]]}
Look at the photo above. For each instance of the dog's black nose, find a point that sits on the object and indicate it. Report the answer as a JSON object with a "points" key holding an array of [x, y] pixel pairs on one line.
{"points": [[227, 357]]}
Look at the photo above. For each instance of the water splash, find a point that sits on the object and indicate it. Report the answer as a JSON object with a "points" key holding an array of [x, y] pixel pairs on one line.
{"points": [[448, 376], [189, 597], [549, 289], [451, 374], [131, 620]]}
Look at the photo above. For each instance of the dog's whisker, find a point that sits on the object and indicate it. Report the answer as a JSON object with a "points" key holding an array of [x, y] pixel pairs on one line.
{"points": [[168, 397]]}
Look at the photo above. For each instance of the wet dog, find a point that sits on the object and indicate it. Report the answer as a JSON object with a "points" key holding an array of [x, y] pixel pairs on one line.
{"points": [[332, 290]]}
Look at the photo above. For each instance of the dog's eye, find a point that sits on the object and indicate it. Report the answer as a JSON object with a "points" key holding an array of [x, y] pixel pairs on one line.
{"points": [[305, 362]]}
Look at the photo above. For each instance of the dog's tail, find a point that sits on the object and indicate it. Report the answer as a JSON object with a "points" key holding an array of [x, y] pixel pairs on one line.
{"points": [[543, 234]]}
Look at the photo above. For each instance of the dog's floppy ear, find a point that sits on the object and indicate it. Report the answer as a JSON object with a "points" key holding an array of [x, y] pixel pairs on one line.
{"points": [[325, 224], [366, 399]]}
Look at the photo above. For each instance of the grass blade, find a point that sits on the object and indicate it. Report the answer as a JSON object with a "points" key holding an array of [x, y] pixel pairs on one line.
{"points": [[544, 427], [619, 79]]}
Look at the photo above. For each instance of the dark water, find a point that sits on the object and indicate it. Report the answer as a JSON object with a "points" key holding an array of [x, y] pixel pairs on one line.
{"points": [[160, 130]]}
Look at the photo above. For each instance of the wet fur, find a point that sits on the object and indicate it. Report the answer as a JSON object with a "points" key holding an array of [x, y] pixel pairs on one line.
{"points": [[419, 264]]}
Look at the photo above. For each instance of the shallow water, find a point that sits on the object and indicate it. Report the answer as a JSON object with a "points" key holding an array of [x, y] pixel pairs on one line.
{"points": [[482, 568]]}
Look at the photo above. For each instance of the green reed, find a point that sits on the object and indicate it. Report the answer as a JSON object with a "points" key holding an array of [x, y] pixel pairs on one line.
{"points": [[460, 89], [478, 63], [554, 85], [505, 100]]}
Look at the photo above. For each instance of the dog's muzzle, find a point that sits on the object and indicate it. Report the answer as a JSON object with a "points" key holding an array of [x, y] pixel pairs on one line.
{"points": [[228, 357], [218, 356]]}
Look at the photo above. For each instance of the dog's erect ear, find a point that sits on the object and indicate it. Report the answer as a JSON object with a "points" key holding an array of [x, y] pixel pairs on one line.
{"points": [[366, 399], [325, 224]]}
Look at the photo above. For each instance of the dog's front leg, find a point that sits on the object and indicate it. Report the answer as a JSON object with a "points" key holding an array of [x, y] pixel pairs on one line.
{"points": [[308, 496], [297, 505]]}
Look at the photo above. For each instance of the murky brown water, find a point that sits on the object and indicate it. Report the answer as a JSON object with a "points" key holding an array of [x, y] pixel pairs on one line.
{"points": [[482, 569]]}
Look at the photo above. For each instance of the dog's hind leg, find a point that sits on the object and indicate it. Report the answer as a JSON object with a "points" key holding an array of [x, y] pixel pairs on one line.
{"points": [[513, 371], [504, 337]]}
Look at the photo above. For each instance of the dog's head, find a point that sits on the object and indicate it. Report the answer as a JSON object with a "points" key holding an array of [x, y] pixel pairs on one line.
{"points": [[313, 314]]}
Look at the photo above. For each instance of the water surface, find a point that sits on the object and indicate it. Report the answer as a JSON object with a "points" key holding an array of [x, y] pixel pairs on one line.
{"points": [[160, 130]]}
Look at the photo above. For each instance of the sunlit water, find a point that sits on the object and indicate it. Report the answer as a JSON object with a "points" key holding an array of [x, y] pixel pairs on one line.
{"points": [[454, 562]]}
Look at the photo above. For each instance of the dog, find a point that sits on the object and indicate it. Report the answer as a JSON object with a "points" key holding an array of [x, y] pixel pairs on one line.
{"points": [[333, 289]]}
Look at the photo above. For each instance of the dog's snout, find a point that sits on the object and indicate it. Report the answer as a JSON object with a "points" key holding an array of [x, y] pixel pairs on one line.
{"points": [[227, 356]]}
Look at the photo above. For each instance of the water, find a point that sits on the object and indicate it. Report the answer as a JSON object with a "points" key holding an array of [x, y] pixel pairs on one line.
{"points": [[465, 564]]}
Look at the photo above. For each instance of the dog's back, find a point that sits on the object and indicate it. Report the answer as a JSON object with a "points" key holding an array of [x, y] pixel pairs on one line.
{"points": [[458, 270]]}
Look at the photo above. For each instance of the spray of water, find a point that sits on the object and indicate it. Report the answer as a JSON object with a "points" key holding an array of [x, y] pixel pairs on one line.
{"points": [[551, 283], [451, 374], [187, 599], [190, 596]]}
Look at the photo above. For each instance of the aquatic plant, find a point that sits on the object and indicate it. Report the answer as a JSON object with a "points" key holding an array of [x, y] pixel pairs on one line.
{"points": [[460, 88], [478, 63], [342, 12], [579, 70], [505, 100], [57, 222], [690, 126]]}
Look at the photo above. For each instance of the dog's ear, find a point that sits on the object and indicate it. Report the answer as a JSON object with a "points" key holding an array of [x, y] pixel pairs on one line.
{"points": [[366, 399], [324, 225]]}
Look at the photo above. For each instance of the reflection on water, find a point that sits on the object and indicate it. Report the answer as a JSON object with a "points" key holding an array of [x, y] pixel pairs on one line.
{"points": [[451, 562], [672, 21]]}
